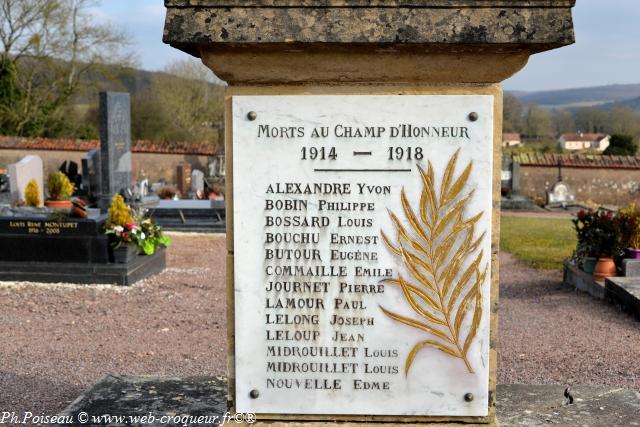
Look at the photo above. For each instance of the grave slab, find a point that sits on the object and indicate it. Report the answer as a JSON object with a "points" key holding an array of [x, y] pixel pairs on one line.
{"points": [[625, 292], [127, 274], [190, 215]]}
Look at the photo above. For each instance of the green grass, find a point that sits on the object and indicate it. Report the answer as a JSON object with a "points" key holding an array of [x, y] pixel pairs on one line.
{"points": [[540, 242]]}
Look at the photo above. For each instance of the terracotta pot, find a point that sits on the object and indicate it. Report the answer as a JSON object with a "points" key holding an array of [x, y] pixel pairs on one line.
{"points": [[58, 204], [604, 268]]}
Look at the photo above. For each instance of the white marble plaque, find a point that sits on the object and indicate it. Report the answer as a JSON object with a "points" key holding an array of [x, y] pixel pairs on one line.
{"points": [[362, 254]]}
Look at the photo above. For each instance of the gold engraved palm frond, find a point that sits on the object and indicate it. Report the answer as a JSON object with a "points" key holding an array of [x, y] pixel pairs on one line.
{"points": [[446, 273]]}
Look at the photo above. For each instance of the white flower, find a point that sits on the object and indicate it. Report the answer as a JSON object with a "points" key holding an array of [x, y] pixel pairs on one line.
{"points": [[142, 236]]}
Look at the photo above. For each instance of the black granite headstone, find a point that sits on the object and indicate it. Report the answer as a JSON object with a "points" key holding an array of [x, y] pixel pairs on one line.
{"points": [[91, 180], [115, 145]]}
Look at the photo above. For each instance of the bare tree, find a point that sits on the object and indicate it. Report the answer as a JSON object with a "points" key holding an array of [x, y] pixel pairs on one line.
{"points": [[184, 104], [49, 46]]}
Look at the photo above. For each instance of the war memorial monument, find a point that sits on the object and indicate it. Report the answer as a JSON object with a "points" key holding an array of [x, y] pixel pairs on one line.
{"points": [[363, 153]]}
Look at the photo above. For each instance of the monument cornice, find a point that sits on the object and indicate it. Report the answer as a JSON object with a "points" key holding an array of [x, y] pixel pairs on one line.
{"points": [[371, 3], [303, 41], [535, 28]]}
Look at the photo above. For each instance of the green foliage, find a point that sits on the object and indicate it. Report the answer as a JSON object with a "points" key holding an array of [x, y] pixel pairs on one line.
{"points": [[59, 187], [32, 194], [621, 145], [563, 122], [598, 234], [629, 226], [540, 242], [512, 114], [119, 213], [183, 106], [538, 123], [47, 49], [138, 230], [9, 90]]}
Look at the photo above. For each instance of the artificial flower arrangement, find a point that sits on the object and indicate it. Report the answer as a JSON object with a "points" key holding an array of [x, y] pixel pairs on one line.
{"points": [[128, 226]]}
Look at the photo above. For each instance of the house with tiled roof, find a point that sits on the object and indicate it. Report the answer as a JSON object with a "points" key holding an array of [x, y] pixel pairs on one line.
{"points": [[511, 139], [584, 141]]}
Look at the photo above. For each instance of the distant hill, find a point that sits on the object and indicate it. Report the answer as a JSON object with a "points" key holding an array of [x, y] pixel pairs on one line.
{"points": [[583, 97], [119, 79], [630, 103], [116, 78]]}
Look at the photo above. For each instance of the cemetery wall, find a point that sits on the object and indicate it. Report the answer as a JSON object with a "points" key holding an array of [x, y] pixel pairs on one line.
{"points": [[157, 161], [606, 185]]}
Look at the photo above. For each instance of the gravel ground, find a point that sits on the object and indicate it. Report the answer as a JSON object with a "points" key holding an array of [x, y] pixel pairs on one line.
{"points": [[550, 334], [57, 340]]}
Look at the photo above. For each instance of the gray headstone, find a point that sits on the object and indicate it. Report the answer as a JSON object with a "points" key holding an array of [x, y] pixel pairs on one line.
{"points": [[515, 177], [20, 173], [197, 181], [506, 174], [213, 168], [115, 144], [144, 187]]}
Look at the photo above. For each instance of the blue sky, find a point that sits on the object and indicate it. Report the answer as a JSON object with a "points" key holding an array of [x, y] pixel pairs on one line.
{"points": [[607, 49]]}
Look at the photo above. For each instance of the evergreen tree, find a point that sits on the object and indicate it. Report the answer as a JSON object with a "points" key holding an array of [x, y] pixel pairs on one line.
{"points": [[621, 145]]}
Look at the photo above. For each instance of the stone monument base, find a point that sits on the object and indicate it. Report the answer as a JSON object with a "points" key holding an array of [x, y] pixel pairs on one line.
{"points": [[85, 273], [517, 404]]}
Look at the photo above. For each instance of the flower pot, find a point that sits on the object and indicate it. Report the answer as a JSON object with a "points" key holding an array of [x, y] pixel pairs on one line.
{"points": [[58, 204], [589, 264], [125, 253], [604, 268], [632, 253]]}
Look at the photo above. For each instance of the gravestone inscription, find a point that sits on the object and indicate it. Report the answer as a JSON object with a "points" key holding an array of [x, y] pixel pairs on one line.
{"points": [[362, 261], [115, 144]]}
